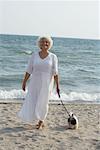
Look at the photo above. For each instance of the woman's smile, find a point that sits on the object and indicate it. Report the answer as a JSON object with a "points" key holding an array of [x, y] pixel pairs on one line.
{"points": [[44, 44]]}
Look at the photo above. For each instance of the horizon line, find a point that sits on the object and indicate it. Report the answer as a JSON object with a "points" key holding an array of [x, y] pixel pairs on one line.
{"points": [[14, 34]]}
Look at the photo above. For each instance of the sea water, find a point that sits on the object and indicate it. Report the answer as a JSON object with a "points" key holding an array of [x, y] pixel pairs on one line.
{"points": [[79, 67]]}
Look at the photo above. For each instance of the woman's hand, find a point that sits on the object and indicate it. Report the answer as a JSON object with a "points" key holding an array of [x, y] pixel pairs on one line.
{"points": [[58, 91], [24, 86], [57, 85], [27, 75]]}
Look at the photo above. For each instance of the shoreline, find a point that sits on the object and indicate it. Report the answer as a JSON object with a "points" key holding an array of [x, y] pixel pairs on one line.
{"points": [[19, 101]]}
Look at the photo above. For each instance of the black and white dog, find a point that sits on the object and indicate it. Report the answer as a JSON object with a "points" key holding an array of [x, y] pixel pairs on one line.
{"points": [[72, 121]]}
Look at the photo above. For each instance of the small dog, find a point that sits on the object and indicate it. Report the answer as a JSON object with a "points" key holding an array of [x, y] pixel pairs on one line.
{"points": [[72, 121]]}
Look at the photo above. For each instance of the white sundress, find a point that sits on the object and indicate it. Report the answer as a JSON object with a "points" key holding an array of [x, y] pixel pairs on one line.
{"points": [[35, 106]]}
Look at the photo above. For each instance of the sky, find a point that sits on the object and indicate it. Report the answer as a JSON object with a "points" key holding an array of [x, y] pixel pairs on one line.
{"points": [[68, 18]]}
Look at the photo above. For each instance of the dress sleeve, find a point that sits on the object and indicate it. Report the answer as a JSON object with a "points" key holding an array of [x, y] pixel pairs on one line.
{"points": [[55, 65], [29, 68]]}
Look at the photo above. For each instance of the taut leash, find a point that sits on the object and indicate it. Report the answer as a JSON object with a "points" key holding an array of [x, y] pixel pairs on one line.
{"points": [[63, 105]]}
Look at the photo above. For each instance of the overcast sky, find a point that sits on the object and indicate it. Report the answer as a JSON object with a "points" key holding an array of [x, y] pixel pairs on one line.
{"points": [[69, 18]]}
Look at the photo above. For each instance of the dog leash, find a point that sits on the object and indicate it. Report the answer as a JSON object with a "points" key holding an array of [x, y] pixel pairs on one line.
{"points": [[63, 105]]}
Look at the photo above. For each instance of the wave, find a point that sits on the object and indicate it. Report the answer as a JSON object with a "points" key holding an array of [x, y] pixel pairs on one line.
{"points": [[67, 97], [12, 94], [27, 52], [84, 70]]}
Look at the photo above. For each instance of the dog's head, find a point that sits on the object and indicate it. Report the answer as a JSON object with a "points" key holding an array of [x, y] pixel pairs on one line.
{"points": [[72, 121]]}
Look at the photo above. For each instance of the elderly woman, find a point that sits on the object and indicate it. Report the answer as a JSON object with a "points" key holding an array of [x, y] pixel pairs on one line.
{"points": [[43, 66]]}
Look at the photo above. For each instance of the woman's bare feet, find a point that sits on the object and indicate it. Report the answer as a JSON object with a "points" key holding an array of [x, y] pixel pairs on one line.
{"points": [[40, 124]]}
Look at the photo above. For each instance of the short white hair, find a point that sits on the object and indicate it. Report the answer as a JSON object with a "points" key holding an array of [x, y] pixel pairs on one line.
{"points": [[45, 37]]}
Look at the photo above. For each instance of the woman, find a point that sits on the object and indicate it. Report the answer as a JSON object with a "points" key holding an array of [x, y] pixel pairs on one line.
{"points": [[43, 66]]}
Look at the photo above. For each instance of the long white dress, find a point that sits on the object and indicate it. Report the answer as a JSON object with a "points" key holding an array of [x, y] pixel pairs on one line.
{"points": [[35, 106]]}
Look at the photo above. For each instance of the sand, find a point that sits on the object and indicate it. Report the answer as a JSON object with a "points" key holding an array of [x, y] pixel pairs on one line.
{"points": [[14, 134]]}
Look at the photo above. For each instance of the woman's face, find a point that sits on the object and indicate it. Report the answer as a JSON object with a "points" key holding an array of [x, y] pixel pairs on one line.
{"points": [[44, 44]]}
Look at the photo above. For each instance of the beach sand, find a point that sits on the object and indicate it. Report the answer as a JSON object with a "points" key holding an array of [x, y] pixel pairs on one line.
{"points": [[14, 134]]}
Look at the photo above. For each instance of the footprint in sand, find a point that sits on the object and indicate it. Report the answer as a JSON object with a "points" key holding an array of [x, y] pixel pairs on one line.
{"points": [[1, 138]]}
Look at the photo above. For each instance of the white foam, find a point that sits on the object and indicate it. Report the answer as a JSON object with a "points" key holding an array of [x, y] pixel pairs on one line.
{"points": [[27, 52], [72, 96], [12, 94]]}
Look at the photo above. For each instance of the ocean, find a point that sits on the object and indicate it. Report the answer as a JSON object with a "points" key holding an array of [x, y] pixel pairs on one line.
{"points": [[79, 67]]}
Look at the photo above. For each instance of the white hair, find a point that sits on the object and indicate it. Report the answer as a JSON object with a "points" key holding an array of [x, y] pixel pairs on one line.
{"points": [[45, 37]]}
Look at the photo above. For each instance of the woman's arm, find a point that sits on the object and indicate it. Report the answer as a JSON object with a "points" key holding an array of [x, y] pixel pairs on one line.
{"points": [[26, 77], [56, 79]]}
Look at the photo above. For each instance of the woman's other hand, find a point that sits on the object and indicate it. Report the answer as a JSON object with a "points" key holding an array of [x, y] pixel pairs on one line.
{"points": [[58, 91], [26, 77], [24, 86], [56, 78]]}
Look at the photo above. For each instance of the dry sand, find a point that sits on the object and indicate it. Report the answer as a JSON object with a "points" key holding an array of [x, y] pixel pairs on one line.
{"points": [[15, 136]]}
